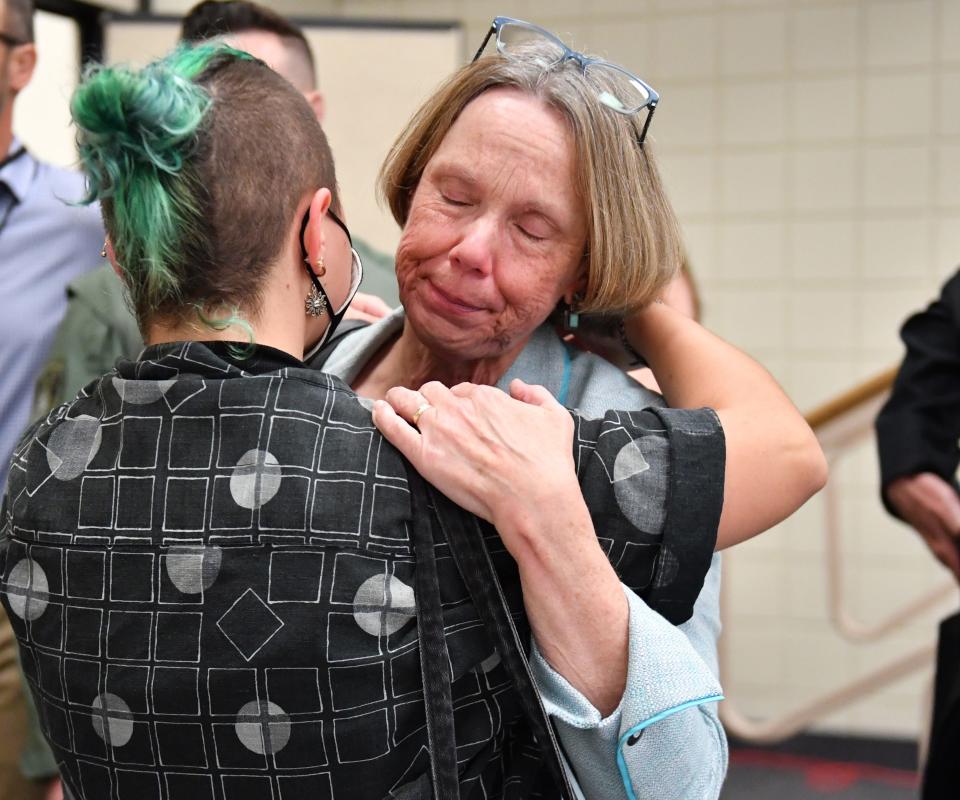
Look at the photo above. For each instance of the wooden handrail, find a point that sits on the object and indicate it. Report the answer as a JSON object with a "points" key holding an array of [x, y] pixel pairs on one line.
{"points": [[869, 389], [841, 424]]}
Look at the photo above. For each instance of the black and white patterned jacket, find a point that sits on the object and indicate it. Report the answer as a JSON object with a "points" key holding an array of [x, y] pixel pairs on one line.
{"points": [[207, 564]]}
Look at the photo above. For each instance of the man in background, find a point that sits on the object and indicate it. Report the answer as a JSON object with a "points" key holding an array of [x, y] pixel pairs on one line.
{"points": [[44, 244], [918, 429], [917, 437], [99, 328]]}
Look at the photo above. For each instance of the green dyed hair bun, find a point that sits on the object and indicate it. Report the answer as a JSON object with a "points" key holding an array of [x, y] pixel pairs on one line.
{"points": [[136, 132]]}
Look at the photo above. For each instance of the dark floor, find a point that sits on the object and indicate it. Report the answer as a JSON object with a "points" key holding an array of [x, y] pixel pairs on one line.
{"points": [[821, 767]]}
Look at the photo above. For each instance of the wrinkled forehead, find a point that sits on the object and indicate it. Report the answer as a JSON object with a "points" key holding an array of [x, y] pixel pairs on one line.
{"points": [[513, 113], [515, 143]]}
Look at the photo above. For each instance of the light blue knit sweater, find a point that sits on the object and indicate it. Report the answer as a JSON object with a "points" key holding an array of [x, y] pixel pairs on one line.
{"points": [[664, 741]]}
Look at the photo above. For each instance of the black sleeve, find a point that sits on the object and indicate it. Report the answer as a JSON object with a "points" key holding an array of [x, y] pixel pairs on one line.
{"points": [[653, 481], [918, 428]]}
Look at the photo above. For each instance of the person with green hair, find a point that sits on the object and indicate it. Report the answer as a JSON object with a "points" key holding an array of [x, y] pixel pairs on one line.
{"points": [[225, 582], [98, 327]]}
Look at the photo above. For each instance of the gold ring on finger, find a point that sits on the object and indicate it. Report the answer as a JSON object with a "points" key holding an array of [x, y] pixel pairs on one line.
{"points": [[419, 412]]}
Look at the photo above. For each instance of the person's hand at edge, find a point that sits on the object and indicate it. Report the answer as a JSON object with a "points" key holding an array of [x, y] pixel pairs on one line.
{"points": [[367, 308], [53, 790], [931, 506]]}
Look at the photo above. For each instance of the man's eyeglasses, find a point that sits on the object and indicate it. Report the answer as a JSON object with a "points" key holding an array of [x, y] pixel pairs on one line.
{"points": [[619, 90], [356, 276], [11, 41]]}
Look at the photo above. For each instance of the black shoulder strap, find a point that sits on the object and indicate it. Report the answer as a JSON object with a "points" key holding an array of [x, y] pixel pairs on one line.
{"points": [[348, 326], [434, 657], [465, 539]]}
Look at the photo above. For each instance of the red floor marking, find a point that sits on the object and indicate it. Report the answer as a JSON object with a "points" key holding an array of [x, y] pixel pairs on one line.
{"points": [[824, 775], [833, 777]]}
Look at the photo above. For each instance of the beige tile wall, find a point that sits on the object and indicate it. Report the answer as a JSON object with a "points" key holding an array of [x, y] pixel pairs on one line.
{"points": [[812, 149], [43, 117]]}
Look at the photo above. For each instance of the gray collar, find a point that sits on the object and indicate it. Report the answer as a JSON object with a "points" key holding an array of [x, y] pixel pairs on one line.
{"points": [[543, 359], [350, 357]]}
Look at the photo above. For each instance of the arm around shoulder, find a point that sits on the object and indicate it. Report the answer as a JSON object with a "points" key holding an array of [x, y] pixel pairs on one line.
{"points": [[774, 463]]}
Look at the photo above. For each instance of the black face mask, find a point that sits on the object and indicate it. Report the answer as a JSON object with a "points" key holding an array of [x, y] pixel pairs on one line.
{"points": [[355, 278]]}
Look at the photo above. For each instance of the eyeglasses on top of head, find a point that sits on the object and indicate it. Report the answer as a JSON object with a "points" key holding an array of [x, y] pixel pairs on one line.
{"points": [[619, 89]]}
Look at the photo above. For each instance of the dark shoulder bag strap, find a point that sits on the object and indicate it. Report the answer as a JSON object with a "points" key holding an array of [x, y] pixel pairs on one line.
{"points": [[465, 539], [434, 657]]}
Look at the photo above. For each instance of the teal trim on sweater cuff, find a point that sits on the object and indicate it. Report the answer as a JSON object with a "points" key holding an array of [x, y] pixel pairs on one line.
{"points": [[621, 762]]}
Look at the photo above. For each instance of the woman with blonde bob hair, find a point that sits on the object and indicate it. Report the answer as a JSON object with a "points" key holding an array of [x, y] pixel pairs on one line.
{"points": [[632, 241], [528, 195]]}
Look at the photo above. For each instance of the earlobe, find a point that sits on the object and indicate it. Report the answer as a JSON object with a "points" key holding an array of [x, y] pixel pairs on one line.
{"points": [[22, 65], [318, 103], [110, 255], [576, 291], [314, 237]]}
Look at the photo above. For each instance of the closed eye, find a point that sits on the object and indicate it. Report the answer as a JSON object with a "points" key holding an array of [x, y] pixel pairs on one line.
{"points": [[453, 201], [530, 235], [535, 226]]}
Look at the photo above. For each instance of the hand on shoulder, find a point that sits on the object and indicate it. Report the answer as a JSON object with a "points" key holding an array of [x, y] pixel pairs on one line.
{"points": [[506, 459]]}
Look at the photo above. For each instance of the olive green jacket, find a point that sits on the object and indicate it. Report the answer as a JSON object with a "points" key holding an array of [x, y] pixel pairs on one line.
{"points": [[97, 329]]}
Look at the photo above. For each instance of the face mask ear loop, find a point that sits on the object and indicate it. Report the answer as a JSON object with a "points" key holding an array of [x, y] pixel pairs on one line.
{"points": [[317, 302]]}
